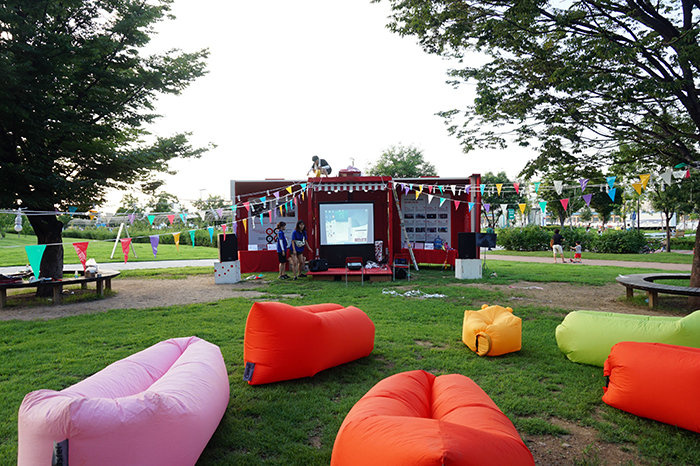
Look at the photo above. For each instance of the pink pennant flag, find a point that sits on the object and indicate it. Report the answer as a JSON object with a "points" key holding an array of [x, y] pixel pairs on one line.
{"points": [[223, 227], [456, 205], [517, 188], [171, 218], [126, 242], [81, 250], [564, 203], [587, 198], [247, 205], [270, 214], [430, 189]]}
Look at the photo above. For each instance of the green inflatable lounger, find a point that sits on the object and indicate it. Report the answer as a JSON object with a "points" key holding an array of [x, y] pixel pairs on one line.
{"points": [[587, 336]]}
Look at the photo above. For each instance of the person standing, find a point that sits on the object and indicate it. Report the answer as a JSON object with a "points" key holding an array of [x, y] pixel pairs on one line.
{"points": [[282, 250], [557, 241], [297, 247]]}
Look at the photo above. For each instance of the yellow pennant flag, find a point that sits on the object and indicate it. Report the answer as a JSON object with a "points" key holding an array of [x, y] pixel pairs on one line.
{"points": [[245, 224], [522, 208], [289, 189], [177, 240], [637, 187], [420, 190], [644, 179], [302, 194], [498, 188]]}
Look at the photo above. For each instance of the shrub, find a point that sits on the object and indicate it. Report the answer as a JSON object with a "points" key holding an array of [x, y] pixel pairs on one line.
{"points": [[529, 238], [621, 242]]}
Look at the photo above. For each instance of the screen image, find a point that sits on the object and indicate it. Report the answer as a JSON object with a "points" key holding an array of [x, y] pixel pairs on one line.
{"points": [[346, 223]]}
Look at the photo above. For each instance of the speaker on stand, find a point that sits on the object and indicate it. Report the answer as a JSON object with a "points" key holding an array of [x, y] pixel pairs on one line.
{"points": [[228, 248]]}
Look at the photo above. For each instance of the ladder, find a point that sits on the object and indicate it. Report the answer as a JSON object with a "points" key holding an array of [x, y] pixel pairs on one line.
{"points": [[403, 226]]}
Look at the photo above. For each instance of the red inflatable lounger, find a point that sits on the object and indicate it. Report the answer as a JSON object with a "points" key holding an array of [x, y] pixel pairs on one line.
{"points": [[284, 342], [656, 381], [417, 419]]}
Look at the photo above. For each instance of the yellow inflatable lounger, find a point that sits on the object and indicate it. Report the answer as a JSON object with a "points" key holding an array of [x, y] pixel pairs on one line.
{"points": [[587, 336], [492, 331]]}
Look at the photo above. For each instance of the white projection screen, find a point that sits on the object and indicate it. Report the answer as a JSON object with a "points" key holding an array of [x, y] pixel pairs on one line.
{"points": [[346, 223]]}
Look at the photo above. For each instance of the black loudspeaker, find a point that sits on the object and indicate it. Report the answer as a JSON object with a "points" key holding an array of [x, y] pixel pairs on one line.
{"points": [[318, 265], [228, 248], [466, 247]]}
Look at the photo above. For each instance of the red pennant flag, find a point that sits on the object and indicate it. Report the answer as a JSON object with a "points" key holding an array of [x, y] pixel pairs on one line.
{"points": [[564, 203], [687, 173], [456, 205], [126, 242], [224, 228], [171, 218], [247, 205], [517, 188], [81, 250], [430, 189]]}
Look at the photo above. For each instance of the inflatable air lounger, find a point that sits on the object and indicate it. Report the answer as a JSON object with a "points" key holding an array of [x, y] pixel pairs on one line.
{"points": [[156, 407], [587, 336]]}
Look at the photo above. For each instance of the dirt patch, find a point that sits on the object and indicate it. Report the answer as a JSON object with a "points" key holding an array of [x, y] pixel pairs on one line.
{"points": [[580, 446], [607, 298], [136, 293]]}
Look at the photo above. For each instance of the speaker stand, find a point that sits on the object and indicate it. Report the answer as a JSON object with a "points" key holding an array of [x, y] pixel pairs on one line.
{"points": [[484, 266]]}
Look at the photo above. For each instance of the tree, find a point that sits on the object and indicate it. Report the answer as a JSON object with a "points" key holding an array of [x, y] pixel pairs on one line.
{"points": [[75, 98], [491, 196], [210, 203], [402, 162], [162, 202], [579, 78]]}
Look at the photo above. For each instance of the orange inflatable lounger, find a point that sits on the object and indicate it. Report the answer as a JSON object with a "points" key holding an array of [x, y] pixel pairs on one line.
{"points": [[417, 419], [492, 331], [656, 381], [284, 342]]}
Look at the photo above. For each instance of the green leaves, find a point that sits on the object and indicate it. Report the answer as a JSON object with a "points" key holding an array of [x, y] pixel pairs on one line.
{"points": [[402, 162]]}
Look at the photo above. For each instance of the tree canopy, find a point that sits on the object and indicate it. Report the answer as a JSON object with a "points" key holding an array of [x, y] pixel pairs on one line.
{"points": [[402, 162], [76, 96], [574, 79]]}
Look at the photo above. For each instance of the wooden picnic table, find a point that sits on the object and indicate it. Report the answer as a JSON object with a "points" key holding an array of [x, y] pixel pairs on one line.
{"points": [[103, 280]]}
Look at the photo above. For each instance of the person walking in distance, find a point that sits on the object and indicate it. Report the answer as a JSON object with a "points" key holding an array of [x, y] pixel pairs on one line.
{"points": [[556, 244]]}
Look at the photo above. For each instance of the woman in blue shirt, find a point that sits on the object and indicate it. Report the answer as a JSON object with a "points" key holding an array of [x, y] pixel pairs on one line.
{"points": [[299, 241], [282, 249]]}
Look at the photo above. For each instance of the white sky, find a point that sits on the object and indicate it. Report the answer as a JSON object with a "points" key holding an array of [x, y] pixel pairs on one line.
{"points": [[289, 80]]}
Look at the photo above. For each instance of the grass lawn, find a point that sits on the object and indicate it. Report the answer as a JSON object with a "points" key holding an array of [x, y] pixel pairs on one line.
{"points": [[12, 251], [295, 422]]}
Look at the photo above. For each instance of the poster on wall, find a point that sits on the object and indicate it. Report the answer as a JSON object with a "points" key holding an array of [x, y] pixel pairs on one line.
{"points": [[262, 232], [425, 221]]}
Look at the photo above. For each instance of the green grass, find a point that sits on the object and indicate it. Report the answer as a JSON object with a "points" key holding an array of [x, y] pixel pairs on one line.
{"points": [[660, 257], [12, 251], [295, 422]]}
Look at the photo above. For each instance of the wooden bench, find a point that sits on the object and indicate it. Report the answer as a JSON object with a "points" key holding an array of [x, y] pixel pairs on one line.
{"points": [[103, 281], [645, 281]]}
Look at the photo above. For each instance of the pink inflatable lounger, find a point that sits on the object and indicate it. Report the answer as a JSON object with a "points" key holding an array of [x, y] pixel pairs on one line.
{"points": [[159, 406]]}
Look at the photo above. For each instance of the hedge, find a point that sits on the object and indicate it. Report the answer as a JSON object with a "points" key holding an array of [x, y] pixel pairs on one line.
{"points": [[535, 238]]}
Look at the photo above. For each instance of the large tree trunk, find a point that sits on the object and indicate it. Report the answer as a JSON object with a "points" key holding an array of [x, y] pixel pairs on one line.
{"points": [[694, 301], [48, 231]]}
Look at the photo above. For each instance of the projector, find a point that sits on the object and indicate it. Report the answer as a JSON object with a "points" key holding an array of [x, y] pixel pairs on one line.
{"points": [[354, 265]]}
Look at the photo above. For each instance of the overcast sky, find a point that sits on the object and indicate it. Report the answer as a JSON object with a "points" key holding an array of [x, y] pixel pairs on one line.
{"points": [[289, 80]]}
